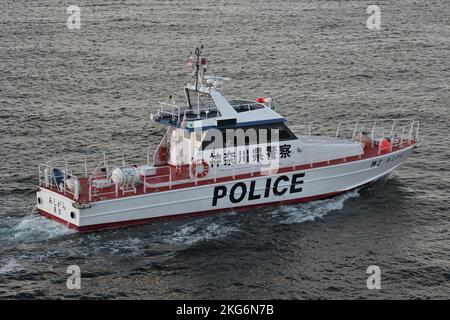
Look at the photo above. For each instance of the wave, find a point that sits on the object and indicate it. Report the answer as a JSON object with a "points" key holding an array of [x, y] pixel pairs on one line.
{"points": [[313, 210], [193, 232], [94, 244], [34, 228], [10, 265]]}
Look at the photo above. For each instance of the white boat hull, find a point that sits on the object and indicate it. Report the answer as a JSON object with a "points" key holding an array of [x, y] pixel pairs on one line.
{"points": [[293, 186]]}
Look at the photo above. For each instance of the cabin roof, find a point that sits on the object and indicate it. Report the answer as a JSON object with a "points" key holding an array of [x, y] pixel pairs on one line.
{"points": [[216, 111]]}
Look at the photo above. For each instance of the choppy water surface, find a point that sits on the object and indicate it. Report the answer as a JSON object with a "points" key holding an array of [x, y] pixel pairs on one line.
{"points": [[81, 91]]}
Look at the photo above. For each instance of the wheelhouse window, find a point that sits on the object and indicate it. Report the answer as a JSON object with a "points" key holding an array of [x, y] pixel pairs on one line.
{"points": [[259, 133], [199, 99], [244, 105]]}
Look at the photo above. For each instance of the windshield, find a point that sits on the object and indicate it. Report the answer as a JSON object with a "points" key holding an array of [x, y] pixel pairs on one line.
{"points": [[200, 100]]}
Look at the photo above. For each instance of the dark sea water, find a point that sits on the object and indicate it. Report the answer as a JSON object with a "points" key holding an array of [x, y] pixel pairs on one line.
{"points": [[82, 91]]}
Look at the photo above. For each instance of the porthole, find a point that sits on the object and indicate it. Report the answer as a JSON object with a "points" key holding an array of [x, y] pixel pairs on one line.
{"points": [[72, 215], [39, 200]]}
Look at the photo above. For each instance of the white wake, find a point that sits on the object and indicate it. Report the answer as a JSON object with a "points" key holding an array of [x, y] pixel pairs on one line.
{"points": [[313, 210]]}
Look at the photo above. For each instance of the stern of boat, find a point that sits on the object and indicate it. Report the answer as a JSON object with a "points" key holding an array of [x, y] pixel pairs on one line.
{"points": [[58, 207]]}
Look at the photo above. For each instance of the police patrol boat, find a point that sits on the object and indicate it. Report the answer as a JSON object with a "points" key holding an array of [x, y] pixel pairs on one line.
{"points": [[220, 154]]}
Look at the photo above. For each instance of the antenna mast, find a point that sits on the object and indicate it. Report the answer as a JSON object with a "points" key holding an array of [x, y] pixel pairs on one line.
{"points": [[199, 67]]}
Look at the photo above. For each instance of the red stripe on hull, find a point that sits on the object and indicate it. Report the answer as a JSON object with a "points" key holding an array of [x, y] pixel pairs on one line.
{"points": [[55, 218], [119, 224]]}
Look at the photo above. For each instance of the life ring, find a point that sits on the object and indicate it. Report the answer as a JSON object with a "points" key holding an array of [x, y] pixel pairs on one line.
{"points": [[199, 168]]}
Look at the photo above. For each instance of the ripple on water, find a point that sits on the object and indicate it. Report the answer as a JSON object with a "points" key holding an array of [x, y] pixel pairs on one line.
{"points": [[34, 228], [194, 232], [311, 211], [9, 265]]}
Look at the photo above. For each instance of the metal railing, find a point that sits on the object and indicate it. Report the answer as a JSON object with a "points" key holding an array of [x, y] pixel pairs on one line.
{"points": [[155, 184], [163, 143], [376, 129], [399, 132], [48, 179], [180, 113], [83, 170], [216, 174]]}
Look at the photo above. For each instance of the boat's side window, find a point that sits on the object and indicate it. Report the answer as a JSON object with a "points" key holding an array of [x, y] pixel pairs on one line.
{"points": [[286, 133], [262, 133], [207, 141]]}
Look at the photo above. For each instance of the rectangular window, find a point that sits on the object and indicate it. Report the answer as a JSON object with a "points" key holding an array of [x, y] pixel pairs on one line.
{"points": [[284, 134]]}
